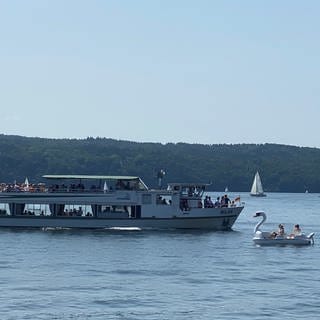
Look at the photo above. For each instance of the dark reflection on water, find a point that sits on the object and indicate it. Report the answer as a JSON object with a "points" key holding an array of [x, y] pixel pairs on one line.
{"points": [[113, 274]]}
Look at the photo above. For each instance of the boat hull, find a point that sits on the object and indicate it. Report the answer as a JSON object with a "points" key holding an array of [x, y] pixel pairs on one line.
{"points": [[283, 242], [216, 222]]}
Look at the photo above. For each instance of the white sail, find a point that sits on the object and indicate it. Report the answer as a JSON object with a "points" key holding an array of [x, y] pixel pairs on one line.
{"points": [[257, 189], [105, 187], [26, 184]]}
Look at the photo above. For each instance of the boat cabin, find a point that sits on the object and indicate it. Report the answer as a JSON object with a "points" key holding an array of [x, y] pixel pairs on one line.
{"points": [[189, 190], [190, 194]]}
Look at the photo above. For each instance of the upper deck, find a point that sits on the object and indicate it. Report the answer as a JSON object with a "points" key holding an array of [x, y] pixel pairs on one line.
{"points": [[93, 183], [79, 183]]}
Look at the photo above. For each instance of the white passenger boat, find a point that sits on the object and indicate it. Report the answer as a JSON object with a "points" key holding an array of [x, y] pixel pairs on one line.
{"points": [[263, 238], [82, 201]]}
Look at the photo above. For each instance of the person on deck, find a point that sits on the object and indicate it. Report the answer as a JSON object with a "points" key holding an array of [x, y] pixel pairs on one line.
{"points": [[227, 201]]}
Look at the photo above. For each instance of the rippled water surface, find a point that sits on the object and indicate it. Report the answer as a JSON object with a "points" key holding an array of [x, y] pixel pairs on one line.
{"points": [[165, 275]]}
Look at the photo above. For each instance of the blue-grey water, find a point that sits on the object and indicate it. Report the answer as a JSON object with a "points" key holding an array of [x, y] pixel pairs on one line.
{"points": [[165, 275]]}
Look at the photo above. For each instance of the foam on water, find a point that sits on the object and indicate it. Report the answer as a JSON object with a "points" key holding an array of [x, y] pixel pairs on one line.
{"points": [[124, 228]]}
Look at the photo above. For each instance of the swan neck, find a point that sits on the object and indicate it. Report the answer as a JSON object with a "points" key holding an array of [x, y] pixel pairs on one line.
{"points": [[260, 223]]}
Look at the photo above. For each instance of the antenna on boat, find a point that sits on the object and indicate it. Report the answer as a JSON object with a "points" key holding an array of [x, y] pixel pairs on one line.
{"points": [[160, 175]]}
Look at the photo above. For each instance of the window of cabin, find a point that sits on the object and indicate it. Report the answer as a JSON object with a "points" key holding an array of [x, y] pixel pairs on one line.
{"points": [[163, 199]]}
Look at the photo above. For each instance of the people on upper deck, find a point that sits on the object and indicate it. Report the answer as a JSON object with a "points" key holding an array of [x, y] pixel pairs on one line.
{"points": [[120, 185], [21, 187]]}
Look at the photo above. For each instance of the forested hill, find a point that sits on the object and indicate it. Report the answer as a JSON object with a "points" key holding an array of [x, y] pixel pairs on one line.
{"points": [[282, 168]]}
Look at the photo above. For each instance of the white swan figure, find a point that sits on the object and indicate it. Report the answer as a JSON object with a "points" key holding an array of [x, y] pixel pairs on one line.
{"points": [[266, 238], [264, 218], [257, 232]]}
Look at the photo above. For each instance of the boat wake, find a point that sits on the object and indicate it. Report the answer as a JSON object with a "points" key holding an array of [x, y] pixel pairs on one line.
{"points": [[54, 229], [124, 228]]}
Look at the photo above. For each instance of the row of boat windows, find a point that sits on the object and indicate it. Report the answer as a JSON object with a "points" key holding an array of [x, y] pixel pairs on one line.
{"points": [[66, 210], [77, 210]]}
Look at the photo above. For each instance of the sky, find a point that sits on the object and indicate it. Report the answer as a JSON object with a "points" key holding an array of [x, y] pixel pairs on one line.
{"points": [[200, 71]]}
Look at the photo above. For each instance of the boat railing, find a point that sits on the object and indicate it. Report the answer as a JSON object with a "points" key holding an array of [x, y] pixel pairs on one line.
{"points": [[61, 189], [85, 190], [52, 190], [187, 204]]}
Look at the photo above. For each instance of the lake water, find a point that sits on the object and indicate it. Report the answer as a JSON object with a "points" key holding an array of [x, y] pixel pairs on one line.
{"points": [[165, 275]]}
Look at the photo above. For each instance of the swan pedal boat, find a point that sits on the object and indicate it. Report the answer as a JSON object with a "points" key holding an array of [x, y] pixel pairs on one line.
{"points": [[263, 238]]}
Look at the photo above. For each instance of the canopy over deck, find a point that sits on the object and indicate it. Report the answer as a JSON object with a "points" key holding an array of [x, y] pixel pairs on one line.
{"points": [[93, 177]]}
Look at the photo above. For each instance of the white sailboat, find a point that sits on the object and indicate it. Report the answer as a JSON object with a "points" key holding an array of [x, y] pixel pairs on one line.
{"points": [[257, 189]]}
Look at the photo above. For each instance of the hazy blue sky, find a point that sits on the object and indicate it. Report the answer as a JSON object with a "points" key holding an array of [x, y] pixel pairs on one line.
{"points": [[162, 70]]}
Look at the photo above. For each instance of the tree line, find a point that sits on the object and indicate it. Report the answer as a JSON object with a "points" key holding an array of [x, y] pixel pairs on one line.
{"points": [[282, 168]]}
